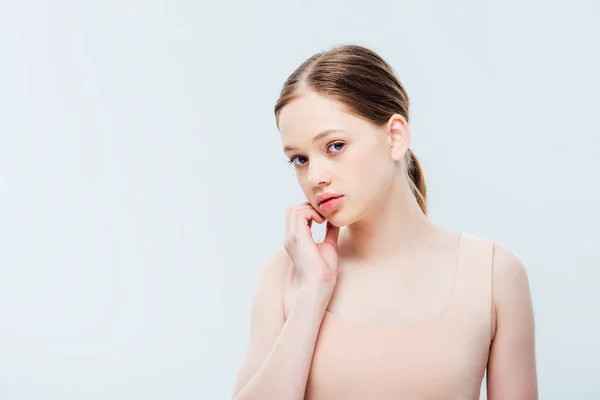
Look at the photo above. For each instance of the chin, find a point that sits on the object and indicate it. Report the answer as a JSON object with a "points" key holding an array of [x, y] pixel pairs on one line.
{"points": [[335, 222], [348, 217], [333, 219], [339, 219]]}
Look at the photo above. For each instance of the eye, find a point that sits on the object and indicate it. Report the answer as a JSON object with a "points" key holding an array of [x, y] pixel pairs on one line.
{"points": [[291, 161], [337, 145]]}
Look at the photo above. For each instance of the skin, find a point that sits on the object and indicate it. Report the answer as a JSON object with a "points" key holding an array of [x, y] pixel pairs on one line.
{"points": [[387, 245]]}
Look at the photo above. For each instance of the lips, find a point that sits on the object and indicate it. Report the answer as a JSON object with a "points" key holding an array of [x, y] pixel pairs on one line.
{"points": [[331, 204], [323, 197], [329, 199]]}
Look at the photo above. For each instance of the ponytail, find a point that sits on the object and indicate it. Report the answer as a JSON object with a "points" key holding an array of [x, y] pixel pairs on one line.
{"points": [[416, 180]]}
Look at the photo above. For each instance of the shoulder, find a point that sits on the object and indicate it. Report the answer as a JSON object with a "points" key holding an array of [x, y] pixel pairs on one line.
{"points": [[509, 272], [267, 318], [510, 283], [275, 267], [511, 369], [267, 304], [278, 258], [507, 266]]}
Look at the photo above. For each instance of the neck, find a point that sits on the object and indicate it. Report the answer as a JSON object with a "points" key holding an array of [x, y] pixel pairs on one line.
{"points": [[394, 225]]}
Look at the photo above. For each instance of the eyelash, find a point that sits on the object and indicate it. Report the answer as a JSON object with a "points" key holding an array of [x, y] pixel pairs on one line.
{"points": [[291, 161]]}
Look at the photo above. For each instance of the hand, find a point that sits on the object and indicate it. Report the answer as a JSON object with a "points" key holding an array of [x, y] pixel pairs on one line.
{"points": [[317, 263]]}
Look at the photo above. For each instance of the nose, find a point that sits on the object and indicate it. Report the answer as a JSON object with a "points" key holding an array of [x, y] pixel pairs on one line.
{"points": [[319, 172]]}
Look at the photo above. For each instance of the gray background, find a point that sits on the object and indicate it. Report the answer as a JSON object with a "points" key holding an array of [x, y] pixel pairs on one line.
{"points": [[142, 180]]}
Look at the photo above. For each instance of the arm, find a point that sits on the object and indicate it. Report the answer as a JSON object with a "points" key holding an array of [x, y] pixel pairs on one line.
{"points": [[279, 353], [512, 366]]}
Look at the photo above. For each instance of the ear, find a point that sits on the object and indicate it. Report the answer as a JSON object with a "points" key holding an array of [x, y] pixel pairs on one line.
{"points": [[398, 136]]}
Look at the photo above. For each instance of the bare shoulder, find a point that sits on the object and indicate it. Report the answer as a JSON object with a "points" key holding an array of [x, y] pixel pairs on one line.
{"points": [[273, 275], [509, 272], [510, 285], [511, 370], [267, 314], [277, 263]]}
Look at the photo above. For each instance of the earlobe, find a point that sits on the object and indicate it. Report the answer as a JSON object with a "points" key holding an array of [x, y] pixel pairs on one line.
{"points": [[397, 152], [399, 137]]}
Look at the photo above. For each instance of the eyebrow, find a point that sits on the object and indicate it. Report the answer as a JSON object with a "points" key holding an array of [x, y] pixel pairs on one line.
{"points": [[316, 138]]}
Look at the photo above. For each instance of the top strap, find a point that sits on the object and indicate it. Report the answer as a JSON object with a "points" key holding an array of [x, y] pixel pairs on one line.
{"points": [[474, 285]]}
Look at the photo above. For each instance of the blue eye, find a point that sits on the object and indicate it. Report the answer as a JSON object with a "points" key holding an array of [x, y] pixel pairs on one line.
{"points": [[333, 144], [295, 158], [339, 146]]}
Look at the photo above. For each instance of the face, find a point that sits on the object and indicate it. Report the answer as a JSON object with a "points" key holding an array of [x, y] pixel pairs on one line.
{"points": [[333, 151]]}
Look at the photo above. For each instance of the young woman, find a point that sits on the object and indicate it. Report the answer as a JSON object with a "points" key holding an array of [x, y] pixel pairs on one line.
{"points": [[392, 306]]}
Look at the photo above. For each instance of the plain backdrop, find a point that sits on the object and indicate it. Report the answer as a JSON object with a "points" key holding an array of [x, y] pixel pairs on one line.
{"points": [[142, 181]]}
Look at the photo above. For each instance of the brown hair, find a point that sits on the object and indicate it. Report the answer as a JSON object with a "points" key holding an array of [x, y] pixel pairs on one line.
{"points": [[366, 85]]}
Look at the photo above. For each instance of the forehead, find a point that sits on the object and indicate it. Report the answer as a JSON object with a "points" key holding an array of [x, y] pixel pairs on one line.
{"points": [[311, 113]]}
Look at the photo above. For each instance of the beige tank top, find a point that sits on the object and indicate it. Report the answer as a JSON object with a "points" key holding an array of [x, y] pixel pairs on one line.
{"points": [[443, 357]]}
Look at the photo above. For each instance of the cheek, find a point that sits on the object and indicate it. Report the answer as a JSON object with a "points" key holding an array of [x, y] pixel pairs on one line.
{"points": [[307, 190], [369, 169], [371, 176]]}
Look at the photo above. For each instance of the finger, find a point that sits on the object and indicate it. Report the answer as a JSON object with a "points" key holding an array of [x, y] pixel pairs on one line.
{"points": [[316, 216], [311, 215], [290, 221], [303, 232], [331, 234], [305, 216], [318, 213]]}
